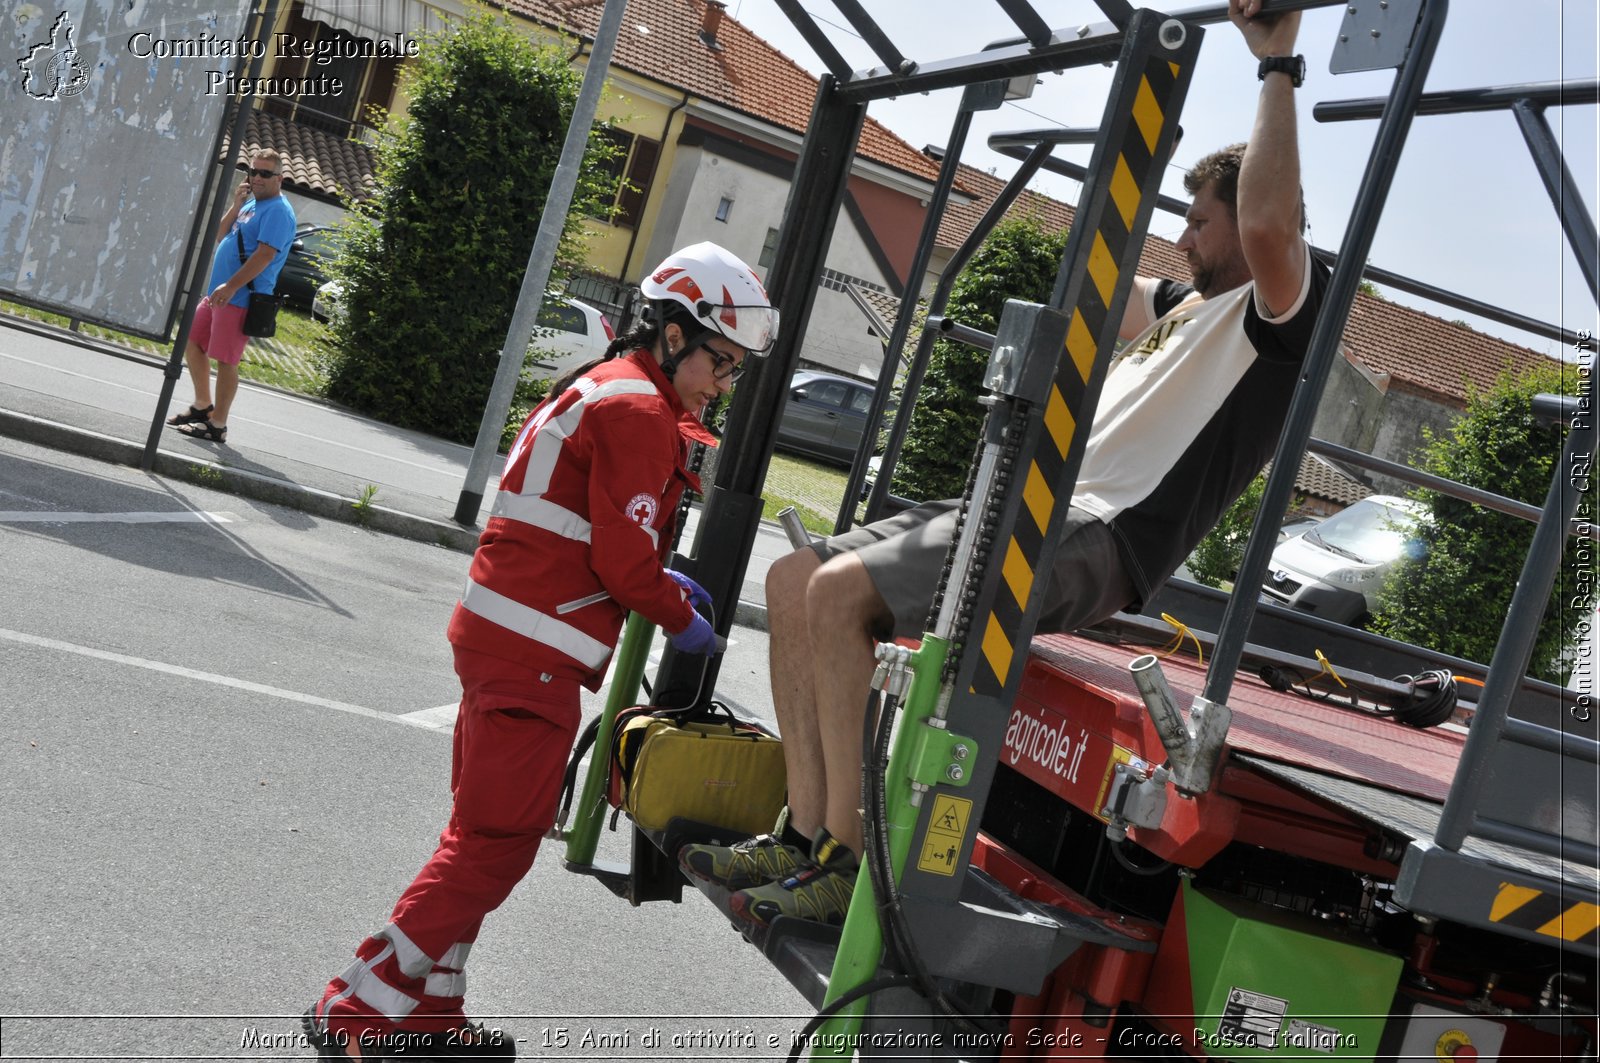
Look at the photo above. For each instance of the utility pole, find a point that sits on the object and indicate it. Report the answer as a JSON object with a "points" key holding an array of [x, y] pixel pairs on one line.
{"points": [[540, 260]]}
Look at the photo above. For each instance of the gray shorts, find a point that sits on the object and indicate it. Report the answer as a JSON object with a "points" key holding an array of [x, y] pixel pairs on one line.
{"points": [[904, 554]]}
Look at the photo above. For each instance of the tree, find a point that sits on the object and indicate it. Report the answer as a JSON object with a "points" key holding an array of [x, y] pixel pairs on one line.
{"points": [[1216, 559], [1019, 260], [1454, 597], [434, 259]]}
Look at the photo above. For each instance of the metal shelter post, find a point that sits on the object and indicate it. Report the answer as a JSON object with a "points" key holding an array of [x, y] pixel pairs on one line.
{"points": [[732, 510], [986, 96], [200, 247], [558, 200]]}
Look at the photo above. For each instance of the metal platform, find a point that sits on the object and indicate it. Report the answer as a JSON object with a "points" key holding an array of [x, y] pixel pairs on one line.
{"points": [[1273, 725]]}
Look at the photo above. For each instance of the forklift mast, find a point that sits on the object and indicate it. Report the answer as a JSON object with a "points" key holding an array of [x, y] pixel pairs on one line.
{"points": [[1442, 880]]}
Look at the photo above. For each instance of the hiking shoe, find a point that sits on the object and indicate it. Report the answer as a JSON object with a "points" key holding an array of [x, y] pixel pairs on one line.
{"points": [[818, 891], [752, 862]]}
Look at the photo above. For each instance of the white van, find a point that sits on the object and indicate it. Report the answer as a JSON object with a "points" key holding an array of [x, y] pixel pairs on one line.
{"points": [[1336, 568]]}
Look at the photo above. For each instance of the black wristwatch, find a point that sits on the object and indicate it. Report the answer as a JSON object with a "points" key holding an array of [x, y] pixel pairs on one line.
{"points": [[1293, 65]]}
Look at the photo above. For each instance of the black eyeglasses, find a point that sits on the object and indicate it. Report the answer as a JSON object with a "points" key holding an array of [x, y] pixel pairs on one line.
{"points": [[723, 367], [253, 172]]}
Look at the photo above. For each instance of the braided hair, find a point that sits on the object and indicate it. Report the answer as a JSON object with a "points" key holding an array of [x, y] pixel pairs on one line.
{"points": [[644, 333]]}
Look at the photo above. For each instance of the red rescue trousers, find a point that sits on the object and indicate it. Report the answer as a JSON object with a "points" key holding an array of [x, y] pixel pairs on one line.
{"points": [[513, 735]]}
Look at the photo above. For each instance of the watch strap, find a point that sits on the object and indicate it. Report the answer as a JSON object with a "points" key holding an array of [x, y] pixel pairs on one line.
{"points": [[1293, 65]]}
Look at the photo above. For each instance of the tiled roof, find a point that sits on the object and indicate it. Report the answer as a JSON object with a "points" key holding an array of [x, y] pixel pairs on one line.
{"points": [[1322, 478], [745, 73], [961, 218], [314, 162], [1422, 353], [1428, 354]]}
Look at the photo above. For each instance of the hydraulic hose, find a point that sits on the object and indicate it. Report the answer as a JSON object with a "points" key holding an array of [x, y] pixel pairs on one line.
{"points": [[891, 914]]}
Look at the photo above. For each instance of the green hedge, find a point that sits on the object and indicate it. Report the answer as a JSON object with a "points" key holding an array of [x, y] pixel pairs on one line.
{"points": [[1019, 260], [434, 260], [1454, 598]]}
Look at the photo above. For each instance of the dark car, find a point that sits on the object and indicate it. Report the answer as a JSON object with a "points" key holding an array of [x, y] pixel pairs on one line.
{"points": [[305, 270], [825, 416]]}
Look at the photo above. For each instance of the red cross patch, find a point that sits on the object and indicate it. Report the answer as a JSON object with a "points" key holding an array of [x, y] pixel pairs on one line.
{"points": [[641, 509]]}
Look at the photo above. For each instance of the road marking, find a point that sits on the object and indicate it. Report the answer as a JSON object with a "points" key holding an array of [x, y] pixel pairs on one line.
{"points": [[211, 677], [439, 718], [176, 516]]}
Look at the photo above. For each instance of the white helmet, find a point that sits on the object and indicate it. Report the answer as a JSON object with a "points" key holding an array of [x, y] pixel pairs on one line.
{"points": [[720, 291]]}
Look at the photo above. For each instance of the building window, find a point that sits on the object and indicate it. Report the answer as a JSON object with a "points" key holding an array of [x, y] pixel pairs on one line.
{"points": [[369, 82], [630, 172], [724, 206], [769, 250]]}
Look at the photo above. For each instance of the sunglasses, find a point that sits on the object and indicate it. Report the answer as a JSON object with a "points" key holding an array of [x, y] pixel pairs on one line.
{"points": [[253, 172], [724, 367]]}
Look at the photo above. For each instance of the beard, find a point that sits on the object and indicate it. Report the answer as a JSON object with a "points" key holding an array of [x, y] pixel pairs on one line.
{"points": [[1215, 276]]}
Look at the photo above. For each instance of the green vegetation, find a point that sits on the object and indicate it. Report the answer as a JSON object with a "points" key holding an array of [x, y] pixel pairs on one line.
{"points": [[363, 504], [1018, 261], [138, 343], [433, 261], [1454, 597]]}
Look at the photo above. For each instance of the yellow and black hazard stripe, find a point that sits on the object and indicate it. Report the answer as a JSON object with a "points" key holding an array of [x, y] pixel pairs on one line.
{"points": [[1110, 254], [1545, 914]]}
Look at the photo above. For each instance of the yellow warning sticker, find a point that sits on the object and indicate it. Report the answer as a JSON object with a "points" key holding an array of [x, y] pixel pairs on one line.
{"points": [[947, 828], [1118, 756]]}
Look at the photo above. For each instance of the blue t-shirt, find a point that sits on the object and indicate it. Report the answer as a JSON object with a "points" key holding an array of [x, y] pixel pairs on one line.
{"points": [[270, 222]]}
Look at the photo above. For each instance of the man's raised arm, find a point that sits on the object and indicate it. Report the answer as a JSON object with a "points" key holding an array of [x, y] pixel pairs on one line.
{"points": [[1269, 205]]}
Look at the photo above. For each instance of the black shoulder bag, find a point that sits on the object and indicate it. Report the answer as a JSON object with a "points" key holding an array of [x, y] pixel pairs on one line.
{"points": [[261, 312]]}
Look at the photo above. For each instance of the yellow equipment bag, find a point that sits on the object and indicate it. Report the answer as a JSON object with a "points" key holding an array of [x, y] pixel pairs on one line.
{"points": [[704, 765]]}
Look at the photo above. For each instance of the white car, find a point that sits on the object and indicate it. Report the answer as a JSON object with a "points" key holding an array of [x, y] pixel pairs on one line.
{"points": [[326, 303], [1336, 568], [570, 334]]}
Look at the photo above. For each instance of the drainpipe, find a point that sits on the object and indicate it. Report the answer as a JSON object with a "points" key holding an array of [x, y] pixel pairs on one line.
{"points": [[666, 127]]}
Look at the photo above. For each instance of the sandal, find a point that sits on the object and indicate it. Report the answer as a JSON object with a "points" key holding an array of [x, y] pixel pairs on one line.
{"points": [[194, 416], [204, 429]]}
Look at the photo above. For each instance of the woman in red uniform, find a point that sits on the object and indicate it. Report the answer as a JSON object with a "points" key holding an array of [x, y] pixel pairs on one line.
{"points": [[581, 527]]}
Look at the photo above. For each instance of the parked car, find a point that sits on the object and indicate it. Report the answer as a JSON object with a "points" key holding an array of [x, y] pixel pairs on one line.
{"points": [[1336, 568], [1295, 526], [569, 334], [825, 416], [304, 271], [328, 302]]}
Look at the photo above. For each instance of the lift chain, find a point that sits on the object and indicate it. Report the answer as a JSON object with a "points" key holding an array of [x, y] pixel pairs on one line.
{"points": [[1015, 414]]}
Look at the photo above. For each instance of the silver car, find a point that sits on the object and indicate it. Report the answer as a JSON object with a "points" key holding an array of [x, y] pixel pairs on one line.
{"points": [[825, 416], [1336, 568]]}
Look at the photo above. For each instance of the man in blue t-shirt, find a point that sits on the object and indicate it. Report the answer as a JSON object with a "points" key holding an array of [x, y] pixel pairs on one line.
{"points": [[253, 243]]}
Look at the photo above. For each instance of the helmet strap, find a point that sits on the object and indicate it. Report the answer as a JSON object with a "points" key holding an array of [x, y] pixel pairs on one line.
{"points": [[669, 358]]}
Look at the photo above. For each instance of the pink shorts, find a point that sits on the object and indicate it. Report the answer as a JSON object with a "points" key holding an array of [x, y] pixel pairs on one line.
{"points": [[219, 332]]}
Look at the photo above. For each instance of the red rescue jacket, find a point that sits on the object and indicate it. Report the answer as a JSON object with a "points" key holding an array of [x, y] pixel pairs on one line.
{"points": [[585, 508]]}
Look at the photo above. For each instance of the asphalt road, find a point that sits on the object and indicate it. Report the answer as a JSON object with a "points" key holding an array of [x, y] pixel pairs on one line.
{"points": [[226, 751]]}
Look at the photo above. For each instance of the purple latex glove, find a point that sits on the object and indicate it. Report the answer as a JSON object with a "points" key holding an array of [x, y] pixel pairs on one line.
{"points": [[697, 638], [696, 594]]}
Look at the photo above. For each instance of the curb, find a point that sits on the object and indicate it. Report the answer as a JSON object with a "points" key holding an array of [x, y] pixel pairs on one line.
{"points": [[210, 474]]}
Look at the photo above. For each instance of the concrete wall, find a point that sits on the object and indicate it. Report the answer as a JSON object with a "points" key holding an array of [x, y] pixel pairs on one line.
{"points": [[837, 338], [1399, 437]]}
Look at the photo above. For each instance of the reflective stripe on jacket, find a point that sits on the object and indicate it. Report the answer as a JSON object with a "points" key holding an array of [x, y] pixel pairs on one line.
{"points": [[581, 525]]}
